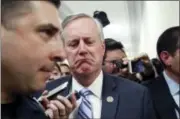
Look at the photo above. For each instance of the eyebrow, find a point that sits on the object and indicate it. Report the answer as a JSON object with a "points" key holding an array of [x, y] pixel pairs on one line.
{"points": [[48, 26]]}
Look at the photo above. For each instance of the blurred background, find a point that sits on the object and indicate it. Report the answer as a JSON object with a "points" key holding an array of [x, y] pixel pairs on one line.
{"points": [[137, 24]]}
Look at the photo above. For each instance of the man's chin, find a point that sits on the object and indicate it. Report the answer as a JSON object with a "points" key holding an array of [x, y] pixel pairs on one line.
{"points": [[84, 71], [39, 87]]}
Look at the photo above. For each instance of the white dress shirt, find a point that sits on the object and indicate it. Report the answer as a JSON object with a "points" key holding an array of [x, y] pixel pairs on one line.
{"points": [[174, 89], [95, 99]]}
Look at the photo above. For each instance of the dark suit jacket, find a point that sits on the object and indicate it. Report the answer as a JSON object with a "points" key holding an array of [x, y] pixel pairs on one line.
{"points": [[164, 103], [131, 100], [27, 108]]}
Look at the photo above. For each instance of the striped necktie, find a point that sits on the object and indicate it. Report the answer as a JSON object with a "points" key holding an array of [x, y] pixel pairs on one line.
{"points": [[85, 108]]}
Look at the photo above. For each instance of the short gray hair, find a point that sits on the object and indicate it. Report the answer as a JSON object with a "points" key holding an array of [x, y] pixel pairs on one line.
{"points": [[71, 18]]}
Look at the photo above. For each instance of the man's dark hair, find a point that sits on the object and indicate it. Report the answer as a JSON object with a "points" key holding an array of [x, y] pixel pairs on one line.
{"points": [[168, 41], [11, 9], [111, 44], [158, 65]]}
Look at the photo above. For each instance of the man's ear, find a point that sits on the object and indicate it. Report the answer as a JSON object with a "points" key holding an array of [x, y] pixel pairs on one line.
{"points": [[104, 47], [104, 50], [166, 58]]}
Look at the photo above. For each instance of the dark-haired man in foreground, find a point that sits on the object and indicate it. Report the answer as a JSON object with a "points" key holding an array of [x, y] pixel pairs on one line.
{"points": [[30, 43]]}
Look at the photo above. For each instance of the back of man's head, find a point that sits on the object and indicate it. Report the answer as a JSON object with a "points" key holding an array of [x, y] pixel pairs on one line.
{"points": [[169, 41], [111, 44], [13, 9]]}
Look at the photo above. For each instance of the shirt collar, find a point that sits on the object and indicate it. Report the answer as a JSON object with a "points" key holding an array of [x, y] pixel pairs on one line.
{"points": [[173, 86], [95, 87]]}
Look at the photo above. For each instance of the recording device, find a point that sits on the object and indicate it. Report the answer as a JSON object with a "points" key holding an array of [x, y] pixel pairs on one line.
{"points": [[137, 66], [102, 17], [53, 93], [69, 97], [119, 64], [134, 66]]}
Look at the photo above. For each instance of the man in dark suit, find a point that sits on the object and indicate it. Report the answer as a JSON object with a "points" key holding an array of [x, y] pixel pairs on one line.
{"points": [[102, 95], [165, 90]]}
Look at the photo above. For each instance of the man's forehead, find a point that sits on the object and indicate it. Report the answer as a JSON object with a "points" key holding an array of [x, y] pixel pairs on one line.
{"points": [[46, 13], [81, 22], [80, 32]]}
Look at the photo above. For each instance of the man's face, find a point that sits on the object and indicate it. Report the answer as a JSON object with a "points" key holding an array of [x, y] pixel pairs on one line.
{"points": [[175, 63], [56, 74], [172, 62], [65, 70], [29, 49], [110, 56], [84, 47]]}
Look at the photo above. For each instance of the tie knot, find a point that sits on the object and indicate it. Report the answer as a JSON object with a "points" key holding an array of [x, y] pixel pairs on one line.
{"points": [[85, 92]]}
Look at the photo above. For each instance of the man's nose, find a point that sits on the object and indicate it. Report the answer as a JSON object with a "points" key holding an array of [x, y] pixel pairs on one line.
{"points": [[82, 48], [58, 53]]}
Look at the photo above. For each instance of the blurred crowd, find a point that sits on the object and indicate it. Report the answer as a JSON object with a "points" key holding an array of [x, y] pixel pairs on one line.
{"points": [[140, 68], [115, 61]]}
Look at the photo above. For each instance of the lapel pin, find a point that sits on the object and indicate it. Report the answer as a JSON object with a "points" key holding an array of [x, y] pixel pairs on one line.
{"points": [[109, 99]]}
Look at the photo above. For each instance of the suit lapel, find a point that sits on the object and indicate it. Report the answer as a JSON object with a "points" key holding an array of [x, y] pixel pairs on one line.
{"points": [[109, 98], [166, 99]]}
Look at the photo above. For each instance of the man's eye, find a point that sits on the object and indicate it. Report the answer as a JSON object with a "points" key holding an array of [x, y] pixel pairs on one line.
{"points": [[46, 33], [89, 42], [73, 43]]}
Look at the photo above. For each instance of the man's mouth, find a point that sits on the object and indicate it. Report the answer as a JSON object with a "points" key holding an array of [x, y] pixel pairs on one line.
{"points": [[47, 69], [79, 63]]}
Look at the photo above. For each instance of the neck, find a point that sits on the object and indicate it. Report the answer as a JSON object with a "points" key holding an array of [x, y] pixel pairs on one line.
{"points": [[173, 76], [87, 79], [6, 95], [6, 98]]}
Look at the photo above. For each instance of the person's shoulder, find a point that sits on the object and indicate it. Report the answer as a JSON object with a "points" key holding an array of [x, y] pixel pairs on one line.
{"points": [[127, 84], [154, 82], [30, 108], [29, 102]]}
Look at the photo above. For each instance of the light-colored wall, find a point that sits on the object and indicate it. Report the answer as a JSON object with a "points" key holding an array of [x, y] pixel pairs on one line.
{"points": [[158, 16], [137, 24], [117, 12]]}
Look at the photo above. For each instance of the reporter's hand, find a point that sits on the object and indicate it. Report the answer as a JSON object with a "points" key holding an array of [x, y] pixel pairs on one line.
{"points": [[59, 108]]}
